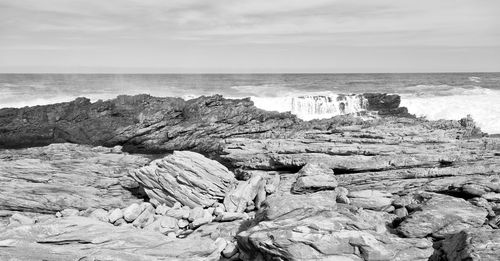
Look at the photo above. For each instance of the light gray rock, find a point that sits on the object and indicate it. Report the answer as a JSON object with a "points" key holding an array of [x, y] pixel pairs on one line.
{"points": [[195, 213], [61, 176], [182, 223], [115, 214], [238, 199], [441, 215], [81, 238], [185, 177], [99, 214], [70, 212], [370, 199], [162, 209], [230, 250], [21, 219], [146, 217], [131, 212], [231, 216], [470, 244], [314, 177], [178, 213]]}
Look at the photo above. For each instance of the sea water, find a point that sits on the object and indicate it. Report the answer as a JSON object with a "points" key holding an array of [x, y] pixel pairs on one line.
{"points": [[309, 96]]}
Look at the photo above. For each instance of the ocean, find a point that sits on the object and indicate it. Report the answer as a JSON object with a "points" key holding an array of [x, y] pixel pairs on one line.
{"points": [[310, 96]]}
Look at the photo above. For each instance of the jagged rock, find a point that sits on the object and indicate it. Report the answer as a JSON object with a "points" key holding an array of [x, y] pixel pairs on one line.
{"points": [[132, 212], [470, 244], [370, 199], [59, 176], [327, 234], [293, 206], [185, 177], [314, 177], [441, 215], [80, 238], [246, 192]]}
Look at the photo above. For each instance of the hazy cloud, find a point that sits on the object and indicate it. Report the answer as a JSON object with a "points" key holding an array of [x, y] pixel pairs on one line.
{"points": [[173, 27]]}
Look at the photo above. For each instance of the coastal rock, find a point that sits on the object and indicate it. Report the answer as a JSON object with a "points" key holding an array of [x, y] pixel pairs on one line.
{"points": [[70, 212], [132, 212], [244, 194], [470, 244], [80, 238], [99, 214], [185, 177], [115, 214], [21, 219], [440, 216], [328, 234], [314, 177], [61, 176], [370, 199]]}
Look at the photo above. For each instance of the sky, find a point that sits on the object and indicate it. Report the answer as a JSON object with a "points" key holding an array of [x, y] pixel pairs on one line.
{"points": [[249, 36]]}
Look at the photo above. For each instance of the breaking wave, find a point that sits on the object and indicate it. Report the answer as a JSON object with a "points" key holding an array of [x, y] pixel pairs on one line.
{"points": [[452, 103], [308, 107]]}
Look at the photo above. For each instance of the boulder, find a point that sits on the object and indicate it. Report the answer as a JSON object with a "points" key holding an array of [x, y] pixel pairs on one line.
{"points": [[470, 244], [244, 194], [185, 177], [313, 177], [441, 215]]}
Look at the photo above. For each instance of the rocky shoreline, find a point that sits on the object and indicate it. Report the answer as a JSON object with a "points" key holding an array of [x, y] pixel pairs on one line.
{"points": [[84, 181]]}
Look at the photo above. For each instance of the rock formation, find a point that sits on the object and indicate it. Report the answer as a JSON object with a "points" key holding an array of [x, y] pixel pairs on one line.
{"points": [[185, 177], [383, 187]]}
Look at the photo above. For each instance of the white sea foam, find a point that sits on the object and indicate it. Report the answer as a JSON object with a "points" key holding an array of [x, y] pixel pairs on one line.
{"points": [[481, 103], [317, 106]]}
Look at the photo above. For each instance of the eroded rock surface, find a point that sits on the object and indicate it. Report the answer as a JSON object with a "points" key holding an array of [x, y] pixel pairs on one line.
{"points": [[185, 177], [59, 176]]}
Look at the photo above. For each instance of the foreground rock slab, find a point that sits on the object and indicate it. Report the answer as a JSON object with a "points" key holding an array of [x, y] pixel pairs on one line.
{"points": [[59, 176], [185, 177], [471, 244], [440, 216], [80, 238]]}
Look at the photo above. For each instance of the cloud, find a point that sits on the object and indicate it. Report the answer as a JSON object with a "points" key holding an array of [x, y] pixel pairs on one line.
{"points": [[176, 25]]}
